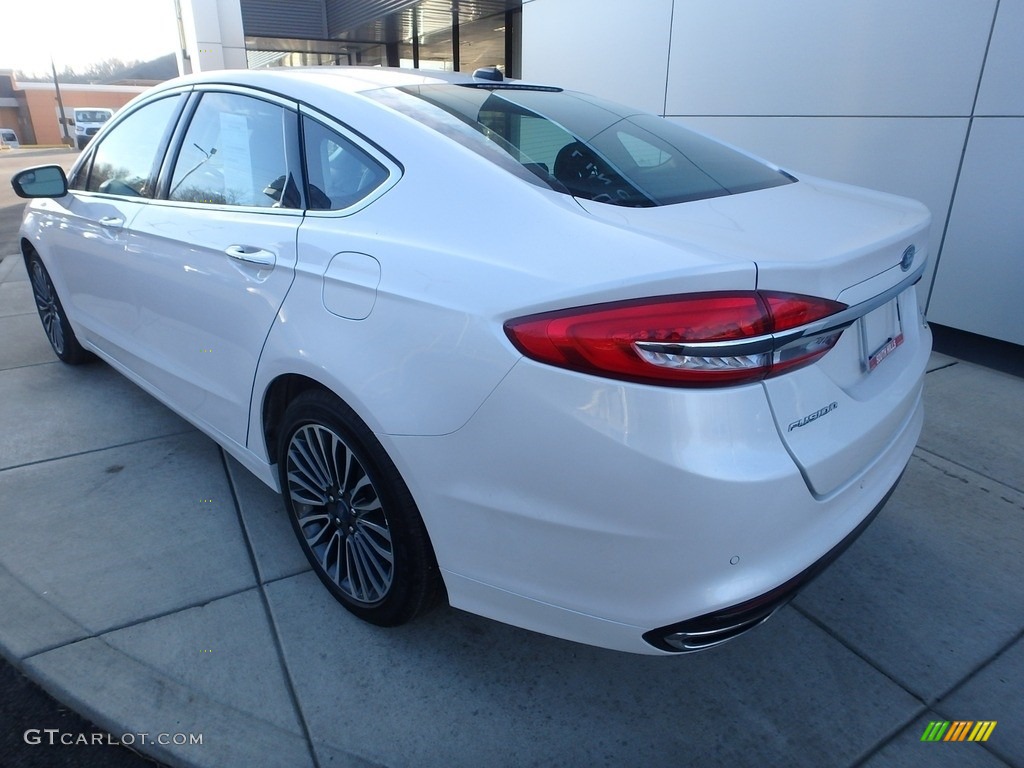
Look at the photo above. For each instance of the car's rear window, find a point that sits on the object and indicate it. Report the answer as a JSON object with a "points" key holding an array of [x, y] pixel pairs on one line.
{"points": [[584, 146]]}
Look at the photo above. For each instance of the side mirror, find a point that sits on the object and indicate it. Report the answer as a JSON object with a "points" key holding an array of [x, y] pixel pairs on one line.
{"points": [[42, 181]]}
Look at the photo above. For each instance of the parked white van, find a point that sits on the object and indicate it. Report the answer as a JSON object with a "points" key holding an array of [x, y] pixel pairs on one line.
{"points": [[8, 139], [88, 120]]}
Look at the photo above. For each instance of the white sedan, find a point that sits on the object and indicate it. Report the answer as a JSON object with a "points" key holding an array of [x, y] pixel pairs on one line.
{"points": [[553, 360]]}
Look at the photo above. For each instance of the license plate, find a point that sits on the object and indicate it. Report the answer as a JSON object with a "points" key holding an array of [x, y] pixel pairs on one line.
{"points": [[881, 333]]}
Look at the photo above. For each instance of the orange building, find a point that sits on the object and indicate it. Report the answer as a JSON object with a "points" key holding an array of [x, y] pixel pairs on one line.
{"points": [[31, 108]]}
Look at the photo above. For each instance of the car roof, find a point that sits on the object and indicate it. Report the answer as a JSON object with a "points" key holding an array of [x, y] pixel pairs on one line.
{"points": [[339, 78]]}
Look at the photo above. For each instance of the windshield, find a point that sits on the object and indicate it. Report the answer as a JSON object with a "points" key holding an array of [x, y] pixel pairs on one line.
{"points": [[583, 146], [91, 116]]}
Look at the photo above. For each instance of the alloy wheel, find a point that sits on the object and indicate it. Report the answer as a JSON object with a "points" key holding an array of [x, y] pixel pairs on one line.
{"points": [[46, 303], [339, 513]]}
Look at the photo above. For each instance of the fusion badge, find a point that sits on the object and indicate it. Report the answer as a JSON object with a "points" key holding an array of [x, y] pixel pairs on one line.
{"points": [[813, 416]]}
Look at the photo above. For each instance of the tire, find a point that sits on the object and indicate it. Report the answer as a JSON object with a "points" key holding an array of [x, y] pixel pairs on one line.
{"points": [[51, 312], [354, 517]]}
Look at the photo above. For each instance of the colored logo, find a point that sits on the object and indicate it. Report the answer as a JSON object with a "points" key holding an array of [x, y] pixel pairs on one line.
{"points": [[958, 730]]}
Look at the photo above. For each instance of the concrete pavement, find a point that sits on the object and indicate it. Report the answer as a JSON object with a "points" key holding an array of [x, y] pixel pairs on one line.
{"points": [[152, 584]]}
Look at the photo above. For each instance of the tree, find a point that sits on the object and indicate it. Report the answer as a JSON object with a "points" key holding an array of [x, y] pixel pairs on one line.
{"points": [[104, 71]]}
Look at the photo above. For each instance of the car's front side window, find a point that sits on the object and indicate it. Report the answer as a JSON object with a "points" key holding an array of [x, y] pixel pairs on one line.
{"points": [[234, 153], [125, 162]]}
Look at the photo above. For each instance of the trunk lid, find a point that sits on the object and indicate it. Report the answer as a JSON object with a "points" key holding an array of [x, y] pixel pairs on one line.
{"points": [[813, 236], [863, 248]]}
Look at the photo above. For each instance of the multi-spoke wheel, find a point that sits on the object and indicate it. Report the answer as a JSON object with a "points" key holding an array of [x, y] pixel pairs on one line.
{"points": [[354, 516], [55, 322]]}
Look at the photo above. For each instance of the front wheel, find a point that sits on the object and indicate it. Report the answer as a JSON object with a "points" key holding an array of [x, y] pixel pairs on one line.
{"points": [[354, 517], [51, 312]]}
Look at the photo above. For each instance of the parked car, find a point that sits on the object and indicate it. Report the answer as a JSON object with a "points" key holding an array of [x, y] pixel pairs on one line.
{"points": [[8, 139], [562, 363]]}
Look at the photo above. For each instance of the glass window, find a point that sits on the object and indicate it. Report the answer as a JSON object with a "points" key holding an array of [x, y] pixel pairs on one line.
{"points": [[339, 173], [92, 115], [584, 146], [234, 154], [125, 162]]}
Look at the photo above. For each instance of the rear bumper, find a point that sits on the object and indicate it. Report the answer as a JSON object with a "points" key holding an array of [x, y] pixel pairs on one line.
{"points": [[598, 511], [715, 628]]}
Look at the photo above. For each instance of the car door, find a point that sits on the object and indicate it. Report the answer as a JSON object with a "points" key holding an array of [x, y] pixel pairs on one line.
{"points": [[87, 229], [213, 260]]}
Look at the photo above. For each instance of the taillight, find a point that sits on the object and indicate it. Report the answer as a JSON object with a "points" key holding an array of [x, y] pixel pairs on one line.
{"points": [[689, 340]]}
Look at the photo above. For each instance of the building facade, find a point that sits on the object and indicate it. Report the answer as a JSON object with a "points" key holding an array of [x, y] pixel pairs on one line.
{"points": [[32, 109]]}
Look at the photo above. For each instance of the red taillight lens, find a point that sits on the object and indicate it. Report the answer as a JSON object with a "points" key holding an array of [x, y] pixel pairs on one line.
{"points": [[703, 339]]}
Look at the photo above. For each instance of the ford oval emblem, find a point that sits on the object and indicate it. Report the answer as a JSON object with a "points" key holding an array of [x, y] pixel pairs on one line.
{"points": [[908, 258]]}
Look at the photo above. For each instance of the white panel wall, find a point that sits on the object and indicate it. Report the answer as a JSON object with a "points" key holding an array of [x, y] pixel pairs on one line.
{"points": [[1002, 88], [979, 281], [879, 93], [808, 57], [979, 284], [623, 46]]}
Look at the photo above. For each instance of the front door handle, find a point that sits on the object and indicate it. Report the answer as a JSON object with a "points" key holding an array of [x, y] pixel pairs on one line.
{"points": [[112, 222], [251, 255]]}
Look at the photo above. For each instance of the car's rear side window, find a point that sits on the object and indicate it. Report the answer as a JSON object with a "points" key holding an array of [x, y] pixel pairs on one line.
{"points": [[338, 173], [584, 146]]}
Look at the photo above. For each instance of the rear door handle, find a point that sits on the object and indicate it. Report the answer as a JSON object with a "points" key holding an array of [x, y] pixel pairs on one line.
{"points": [[251, 255]]}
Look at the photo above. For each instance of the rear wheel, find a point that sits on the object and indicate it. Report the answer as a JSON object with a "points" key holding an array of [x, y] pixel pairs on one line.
{"points": [[353, 514], [55, 322]]}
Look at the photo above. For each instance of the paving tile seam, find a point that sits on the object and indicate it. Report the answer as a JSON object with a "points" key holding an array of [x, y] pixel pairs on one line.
{"points": [[943, 367], [932, 702], [981, 665], [890, 737], [29, 365], [926, 706], [189, 431], [919, 450], [278, 647], [98, 634], [14, 658], [987, 746], [883, 743], [933, 705], [85, 708], [285, 577], [859, 654]]}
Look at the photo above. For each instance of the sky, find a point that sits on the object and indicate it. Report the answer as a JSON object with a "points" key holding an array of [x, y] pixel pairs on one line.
{"points": [[78, 33]]}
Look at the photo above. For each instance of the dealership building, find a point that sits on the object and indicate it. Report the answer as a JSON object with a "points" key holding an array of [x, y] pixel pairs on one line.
{"points": [[32, 110]]}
